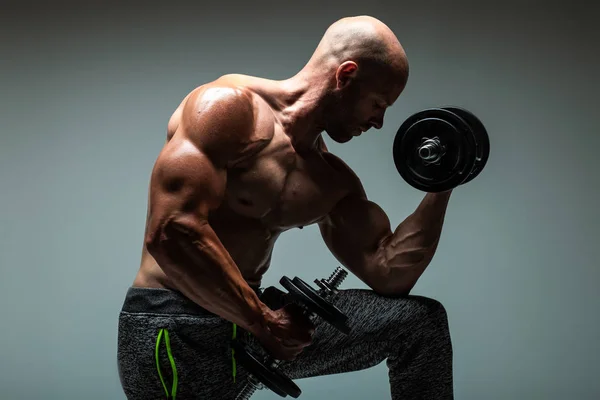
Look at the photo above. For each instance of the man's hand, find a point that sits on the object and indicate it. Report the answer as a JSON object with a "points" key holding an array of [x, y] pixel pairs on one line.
{"points": [[287, 332]]}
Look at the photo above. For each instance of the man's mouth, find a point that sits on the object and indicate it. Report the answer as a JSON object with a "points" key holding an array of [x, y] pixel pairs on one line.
{"points": [[360, 130]]}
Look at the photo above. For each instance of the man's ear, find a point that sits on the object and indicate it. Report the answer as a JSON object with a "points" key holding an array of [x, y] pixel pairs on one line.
{"points": [[345, 73]]}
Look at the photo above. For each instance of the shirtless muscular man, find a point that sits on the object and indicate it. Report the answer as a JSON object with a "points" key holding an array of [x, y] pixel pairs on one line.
{"points": [[245, 161]]}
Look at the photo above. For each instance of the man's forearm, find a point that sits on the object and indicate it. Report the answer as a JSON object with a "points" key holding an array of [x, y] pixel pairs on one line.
{"points": [[409, 250], [201, 268]]}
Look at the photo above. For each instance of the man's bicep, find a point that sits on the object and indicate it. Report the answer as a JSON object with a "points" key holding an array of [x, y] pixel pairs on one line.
{"points": [[354, 232]]}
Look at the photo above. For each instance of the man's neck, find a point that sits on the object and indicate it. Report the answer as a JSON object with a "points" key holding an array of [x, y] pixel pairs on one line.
{"points": [[298, 104]]}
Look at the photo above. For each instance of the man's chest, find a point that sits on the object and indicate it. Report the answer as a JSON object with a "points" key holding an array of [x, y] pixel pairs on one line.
{"points": [[284, 189]]}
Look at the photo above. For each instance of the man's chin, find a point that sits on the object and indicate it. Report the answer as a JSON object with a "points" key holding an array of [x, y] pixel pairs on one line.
{"points": [[340, 137]]}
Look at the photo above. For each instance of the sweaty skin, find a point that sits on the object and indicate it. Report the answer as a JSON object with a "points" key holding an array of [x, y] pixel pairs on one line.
{"points": [[245, 161]]}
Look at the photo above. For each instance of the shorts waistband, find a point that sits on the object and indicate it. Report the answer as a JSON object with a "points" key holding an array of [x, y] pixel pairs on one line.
{"points": [[162, 301]]}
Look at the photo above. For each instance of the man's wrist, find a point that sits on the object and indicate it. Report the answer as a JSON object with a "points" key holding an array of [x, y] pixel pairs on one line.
{"points": [[441, 195], [259, 326]]}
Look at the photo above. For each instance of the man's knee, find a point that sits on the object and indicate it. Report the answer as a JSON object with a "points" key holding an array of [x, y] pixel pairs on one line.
{"points": [[431, 307], [426, 311]]}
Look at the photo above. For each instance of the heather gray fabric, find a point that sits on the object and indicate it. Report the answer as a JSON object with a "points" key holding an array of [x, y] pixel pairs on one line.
{"points": [[410, 333]]}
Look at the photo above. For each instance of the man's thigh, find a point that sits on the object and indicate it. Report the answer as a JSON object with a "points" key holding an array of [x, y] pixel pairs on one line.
{"points": [[379, 325]]}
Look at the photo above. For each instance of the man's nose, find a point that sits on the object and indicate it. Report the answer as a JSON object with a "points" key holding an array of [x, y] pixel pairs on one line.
{"points": [[377, 123]]}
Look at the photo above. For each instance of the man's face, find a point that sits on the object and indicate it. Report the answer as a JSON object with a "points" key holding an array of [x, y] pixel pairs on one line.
{"points": [[359, 106]]}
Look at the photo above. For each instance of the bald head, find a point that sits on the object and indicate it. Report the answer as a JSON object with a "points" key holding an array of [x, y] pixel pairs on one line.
{"points": [[356, 73], [366, 41]]}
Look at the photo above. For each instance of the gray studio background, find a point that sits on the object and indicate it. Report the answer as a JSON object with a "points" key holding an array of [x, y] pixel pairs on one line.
{"points": [[86, 92]]}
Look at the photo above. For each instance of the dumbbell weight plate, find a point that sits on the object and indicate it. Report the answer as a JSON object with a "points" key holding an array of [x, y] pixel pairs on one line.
{"points": [[482, 140], [453, 167], [306, 295], [273, 379]]}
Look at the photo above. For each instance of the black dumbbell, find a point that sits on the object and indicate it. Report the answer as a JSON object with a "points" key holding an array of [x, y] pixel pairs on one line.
{"points": [[315, 303], [439, 149]]}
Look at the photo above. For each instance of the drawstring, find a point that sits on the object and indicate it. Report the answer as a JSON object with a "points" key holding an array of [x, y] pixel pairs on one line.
{"points": [[171, 360], [234, 336], [233, 352]]}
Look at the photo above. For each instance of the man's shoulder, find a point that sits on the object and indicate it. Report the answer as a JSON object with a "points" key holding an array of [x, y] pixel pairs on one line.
{"points": [[221, 97], [236, 89], [224, 119], [348, 178]]}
